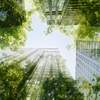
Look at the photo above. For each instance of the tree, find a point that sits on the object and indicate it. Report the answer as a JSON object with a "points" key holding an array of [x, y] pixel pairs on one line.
{"points": [[90, 90], [12, 38], [61, 88], [14, 20], [89, 9], [14, 79], [12, 13], [11, 75], [87, 32]]}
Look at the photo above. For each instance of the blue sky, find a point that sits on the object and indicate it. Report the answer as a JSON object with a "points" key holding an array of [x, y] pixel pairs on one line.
{"points": [[38, 39]]}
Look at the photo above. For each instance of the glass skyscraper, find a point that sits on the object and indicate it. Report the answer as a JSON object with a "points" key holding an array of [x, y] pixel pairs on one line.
{"points": [[87, 59]]}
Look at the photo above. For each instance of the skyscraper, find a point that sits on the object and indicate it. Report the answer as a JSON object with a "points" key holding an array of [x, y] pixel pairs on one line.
{"points": [[57, 11], [87, 59], [46, 63], [70, 12]]}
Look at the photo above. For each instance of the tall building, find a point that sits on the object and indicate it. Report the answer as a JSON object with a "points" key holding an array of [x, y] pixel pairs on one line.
{"points": [[87, 59], [55, 11], [46, 63], [70, 12]]}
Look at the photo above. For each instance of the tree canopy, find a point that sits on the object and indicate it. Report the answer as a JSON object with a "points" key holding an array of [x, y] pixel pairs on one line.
{"points": [[14, 21], [12, 38], [90, 90], [11, 75], [12, 13], [61, 88], [14, 78]]}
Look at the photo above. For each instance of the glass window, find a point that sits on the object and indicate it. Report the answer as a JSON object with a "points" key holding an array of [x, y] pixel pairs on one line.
{"points": [[54, 9], [53, 17], [93, 65], [99, 68]]}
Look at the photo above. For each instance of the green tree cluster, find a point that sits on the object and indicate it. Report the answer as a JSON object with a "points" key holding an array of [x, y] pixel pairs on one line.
{"points": [[12, 38], [86, 13], [65, 88], [11, 75], [61, 88], [14, 79], [14, 21], [12, 13], [89, 8], [91, 90]]}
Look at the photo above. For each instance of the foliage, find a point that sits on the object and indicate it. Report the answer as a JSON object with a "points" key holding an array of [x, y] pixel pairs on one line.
{"points": [[38, 7], [61, 88], [87, 32], [11, 74], [49, 29], [90, 9], [13, 13], [14, 20], [14, 79], [90, 90], [12, 38]]}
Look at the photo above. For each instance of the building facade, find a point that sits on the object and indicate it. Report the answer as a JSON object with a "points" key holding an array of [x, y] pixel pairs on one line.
{"points": [[50, 65], [56, 11], [87, 59]]}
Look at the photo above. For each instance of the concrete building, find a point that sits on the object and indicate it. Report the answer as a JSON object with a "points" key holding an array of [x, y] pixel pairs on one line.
{"points": [[87, 59]]}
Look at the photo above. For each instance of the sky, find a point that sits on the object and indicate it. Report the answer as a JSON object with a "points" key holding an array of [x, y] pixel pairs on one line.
{"points": [[38, 39]]}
